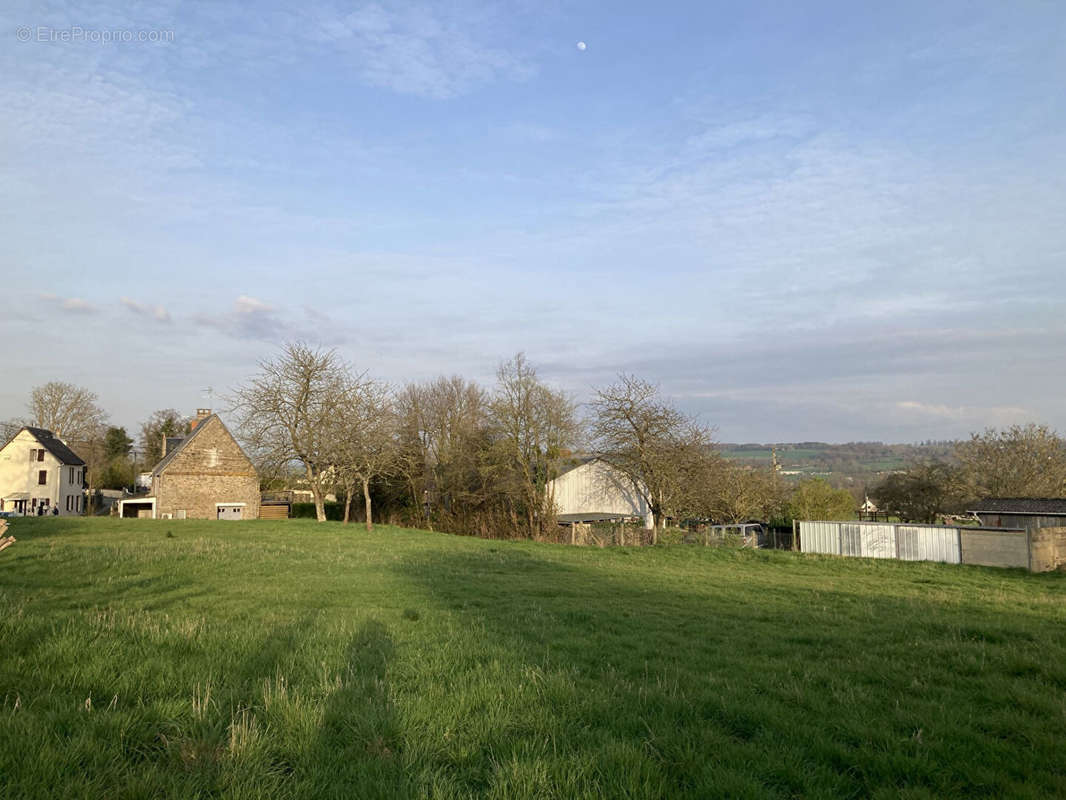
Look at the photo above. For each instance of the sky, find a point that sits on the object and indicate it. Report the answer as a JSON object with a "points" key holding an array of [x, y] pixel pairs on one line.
{"points": [[830, 221]]}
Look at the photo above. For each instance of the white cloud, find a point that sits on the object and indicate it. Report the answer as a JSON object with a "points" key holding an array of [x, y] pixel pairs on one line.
{"points": [[759, 128], [965, 413], [418, 50], [251, 305], [253, 319], [157, 312], [74, 305]]}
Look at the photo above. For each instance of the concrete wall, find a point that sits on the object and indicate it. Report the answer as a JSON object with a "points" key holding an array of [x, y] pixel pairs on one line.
{"points": [[995, 548], [19, 474], [1048, 549], [210, 469]]}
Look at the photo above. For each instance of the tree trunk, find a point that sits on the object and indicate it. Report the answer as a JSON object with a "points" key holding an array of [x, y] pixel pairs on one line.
{"points": [[366, 505], [348, 503], [316, 493]]}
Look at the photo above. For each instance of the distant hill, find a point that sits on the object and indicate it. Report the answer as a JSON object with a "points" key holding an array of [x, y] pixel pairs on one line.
{"points": [[851, 464]]}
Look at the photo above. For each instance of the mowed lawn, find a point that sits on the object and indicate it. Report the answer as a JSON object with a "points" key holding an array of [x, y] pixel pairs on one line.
{"points": [[289, 659]]}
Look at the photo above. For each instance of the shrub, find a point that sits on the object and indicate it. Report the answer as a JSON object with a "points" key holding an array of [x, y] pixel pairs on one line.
{"points": [[334, 511]]}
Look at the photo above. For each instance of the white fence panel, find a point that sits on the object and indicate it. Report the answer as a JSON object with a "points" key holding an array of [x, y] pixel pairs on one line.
{"points": [[929, 544], [878, 541], [820, 537]]}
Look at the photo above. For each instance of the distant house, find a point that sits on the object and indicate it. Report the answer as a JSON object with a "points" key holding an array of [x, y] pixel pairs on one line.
{"points": [[596, 491], [204, 475], [1028, 513], [39, 473]]}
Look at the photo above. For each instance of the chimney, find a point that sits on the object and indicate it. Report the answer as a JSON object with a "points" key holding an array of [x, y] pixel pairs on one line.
{"points": [[201, 415]]}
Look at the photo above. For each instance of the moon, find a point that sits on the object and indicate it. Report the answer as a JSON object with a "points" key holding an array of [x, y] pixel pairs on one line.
{"points": [[582, 46]]}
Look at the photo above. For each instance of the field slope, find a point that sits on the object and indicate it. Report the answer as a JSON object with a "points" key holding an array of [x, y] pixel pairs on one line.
{"points": [[187, 659]]}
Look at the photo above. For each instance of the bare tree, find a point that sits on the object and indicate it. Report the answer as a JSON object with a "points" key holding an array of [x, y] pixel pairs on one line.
{"points": [[1020, 461], [443, 437], [365, 441], [70, 412], [289, 412], [739, 493], [532, 425], [657, 447], [10, 427]]}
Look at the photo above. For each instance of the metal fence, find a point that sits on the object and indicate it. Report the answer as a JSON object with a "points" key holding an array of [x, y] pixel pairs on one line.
{"points": [[882, 540]]}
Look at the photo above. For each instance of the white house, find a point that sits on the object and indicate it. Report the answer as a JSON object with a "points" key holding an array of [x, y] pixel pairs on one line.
{"points": [[597, 491], [38, 471]]}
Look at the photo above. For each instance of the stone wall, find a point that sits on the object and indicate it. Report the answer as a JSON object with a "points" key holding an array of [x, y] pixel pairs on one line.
{"points": [[210, 469]]}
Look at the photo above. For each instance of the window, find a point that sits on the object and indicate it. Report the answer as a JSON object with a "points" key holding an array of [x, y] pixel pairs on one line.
{"points": [[40, 454], [77, 503], [71, 478], [42, 477]]}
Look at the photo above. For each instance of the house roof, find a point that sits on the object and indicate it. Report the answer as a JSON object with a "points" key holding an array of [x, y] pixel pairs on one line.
{"points": [[1035, 506], [200, 425], [172, 454], [49, 442]]}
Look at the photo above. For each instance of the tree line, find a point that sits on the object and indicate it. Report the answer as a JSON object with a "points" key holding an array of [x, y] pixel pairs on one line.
{"points": [[1021, 461], [451, 454]]}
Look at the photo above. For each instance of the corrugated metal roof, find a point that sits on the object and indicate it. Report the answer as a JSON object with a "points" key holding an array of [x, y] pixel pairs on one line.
{"points": [[1044, 506]]}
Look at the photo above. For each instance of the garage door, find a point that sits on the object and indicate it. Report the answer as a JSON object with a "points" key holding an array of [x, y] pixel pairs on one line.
{"points": [[230, 512]]}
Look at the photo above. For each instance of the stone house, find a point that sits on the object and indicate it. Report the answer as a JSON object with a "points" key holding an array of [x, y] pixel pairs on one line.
{"points": [[204, 475], [39, 472]]}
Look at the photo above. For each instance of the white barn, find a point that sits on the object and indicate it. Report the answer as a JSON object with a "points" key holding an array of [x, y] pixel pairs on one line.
{"points": [[597, 491]]}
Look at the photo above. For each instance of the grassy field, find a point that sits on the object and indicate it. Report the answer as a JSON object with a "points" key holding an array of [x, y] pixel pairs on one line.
{"points": [[186, 659]]}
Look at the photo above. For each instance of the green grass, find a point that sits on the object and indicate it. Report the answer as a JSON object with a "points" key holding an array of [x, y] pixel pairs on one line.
{"points": [[187, 659]]}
